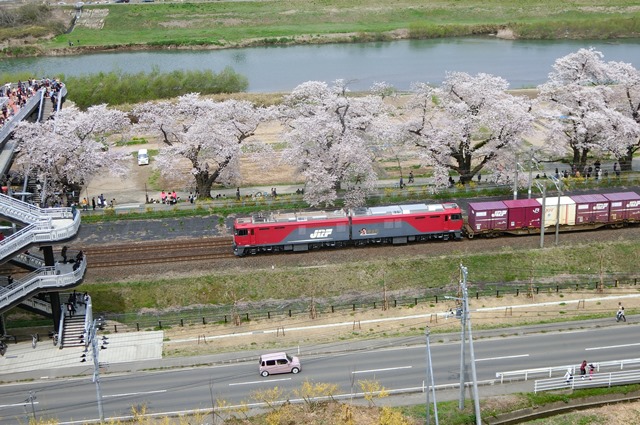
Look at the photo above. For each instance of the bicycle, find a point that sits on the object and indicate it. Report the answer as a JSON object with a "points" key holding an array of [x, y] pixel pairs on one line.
{"points": [[3, 348], [55, 338]]}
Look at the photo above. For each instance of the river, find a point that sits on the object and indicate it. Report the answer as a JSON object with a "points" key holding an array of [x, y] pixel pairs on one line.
{"points": [[400, 63]]}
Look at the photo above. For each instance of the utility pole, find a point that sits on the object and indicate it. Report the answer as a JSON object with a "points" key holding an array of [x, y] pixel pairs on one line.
{"points": [[430, 382], [465, 321], [476, 398], [33, 408], [530, 173], [95, 351], [543, 188], [515, 181], [558, 184], [463, 338]]}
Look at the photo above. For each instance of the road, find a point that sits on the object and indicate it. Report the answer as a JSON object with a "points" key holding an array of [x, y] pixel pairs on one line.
{"points": [[167, 391]]}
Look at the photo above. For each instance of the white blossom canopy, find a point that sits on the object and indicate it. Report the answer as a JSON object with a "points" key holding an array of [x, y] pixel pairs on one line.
{"points": [[467, 124], [329, 136], [209, 137], [577, 105], [71, 148]]}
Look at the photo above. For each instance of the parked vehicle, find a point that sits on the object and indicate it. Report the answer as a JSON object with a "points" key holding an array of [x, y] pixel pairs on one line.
{"points": [[143, 157], [275, 363]]}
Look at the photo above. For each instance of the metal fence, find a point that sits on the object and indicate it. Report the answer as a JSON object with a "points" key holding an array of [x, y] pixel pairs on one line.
{"points": [[226, 314], [597, 380], [525, 374]]}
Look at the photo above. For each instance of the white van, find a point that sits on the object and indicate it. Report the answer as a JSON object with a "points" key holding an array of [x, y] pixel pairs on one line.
{"points": [[143, 157], [274, 363]]}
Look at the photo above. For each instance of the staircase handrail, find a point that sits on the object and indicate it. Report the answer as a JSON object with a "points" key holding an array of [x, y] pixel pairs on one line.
{"points": [[38, 304], [21, 115], [33, 213], [63, 309], [29, 260], [39, 280], [40, 232]]}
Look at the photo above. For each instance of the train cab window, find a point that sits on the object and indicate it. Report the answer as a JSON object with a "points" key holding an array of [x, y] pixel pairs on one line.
{"points": [[456, 216], [242, 232]]}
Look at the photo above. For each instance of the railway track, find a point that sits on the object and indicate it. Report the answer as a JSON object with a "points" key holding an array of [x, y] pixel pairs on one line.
{"points": [[170, 251]]}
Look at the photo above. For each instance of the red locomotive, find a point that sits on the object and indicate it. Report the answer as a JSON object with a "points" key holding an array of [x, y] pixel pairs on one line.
{"points": [[302, 231], [400, 224]]}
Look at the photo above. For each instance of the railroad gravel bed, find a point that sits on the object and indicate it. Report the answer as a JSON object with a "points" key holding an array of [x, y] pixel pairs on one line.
{"points": [[338, 256]]}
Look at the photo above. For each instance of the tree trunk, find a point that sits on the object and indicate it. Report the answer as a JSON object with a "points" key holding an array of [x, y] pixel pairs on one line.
{"points": [[203, 185], [625, 161]]}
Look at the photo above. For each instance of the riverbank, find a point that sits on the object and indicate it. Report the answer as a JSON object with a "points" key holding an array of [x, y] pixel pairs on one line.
{"points": [[215, 25]]}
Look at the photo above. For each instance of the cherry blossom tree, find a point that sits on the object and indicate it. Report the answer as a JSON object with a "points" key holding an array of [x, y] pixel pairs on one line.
{"points": [[330, 137], [467, 124], [578, 109], [627, 90], [203, 140], [66, 151]]}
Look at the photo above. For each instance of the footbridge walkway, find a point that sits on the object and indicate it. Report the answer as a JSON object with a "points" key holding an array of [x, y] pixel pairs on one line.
{"points": [[36, 109], [41, 227], [34, 227]]}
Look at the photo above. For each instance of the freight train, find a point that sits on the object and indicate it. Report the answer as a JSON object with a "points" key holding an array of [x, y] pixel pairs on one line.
{"points": [[401, 224]]}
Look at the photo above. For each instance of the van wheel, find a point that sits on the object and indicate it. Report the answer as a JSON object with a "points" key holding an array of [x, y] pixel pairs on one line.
{"points": [[295, 370], [264, 373]]}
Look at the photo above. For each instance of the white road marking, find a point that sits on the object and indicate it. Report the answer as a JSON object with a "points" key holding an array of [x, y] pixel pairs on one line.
{"points": [[611, 346], [260, 382], [381, 370], [500, 358], [130, 394], [2, 406]]}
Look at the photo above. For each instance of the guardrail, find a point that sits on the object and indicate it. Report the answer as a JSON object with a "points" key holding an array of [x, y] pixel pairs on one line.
{"points": [[597, 380], [523, 375], [44, 230], [28, 213], [38, 281]]}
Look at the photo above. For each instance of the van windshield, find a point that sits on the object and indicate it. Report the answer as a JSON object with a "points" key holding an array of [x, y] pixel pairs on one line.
{"points": [[289, 358]]}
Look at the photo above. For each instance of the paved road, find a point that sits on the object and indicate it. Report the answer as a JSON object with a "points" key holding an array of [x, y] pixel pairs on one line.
{"points": [[399, 368]]}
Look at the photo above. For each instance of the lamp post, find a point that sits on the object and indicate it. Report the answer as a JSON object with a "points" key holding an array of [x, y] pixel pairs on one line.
{"points": [[430, 382]]}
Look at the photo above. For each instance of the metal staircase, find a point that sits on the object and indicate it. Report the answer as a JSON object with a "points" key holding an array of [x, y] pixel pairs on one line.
{"points": [[43, 226]]}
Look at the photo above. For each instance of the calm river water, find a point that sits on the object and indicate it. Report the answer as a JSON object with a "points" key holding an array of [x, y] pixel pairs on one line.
{"points": [[400, 63]]}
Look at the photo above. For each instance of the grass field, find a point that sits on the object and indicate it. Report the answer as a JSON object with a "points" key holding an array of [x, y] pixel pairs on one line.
{"points": [[243, 23], [551, 266]]}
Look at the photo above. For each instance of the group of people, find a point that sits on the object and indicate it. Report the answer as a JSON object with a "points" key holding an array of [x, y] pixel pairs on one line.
{"points": [[568, 377], [169, 198], [76, 261], [101, 202], [74, 300], [15, 96]]}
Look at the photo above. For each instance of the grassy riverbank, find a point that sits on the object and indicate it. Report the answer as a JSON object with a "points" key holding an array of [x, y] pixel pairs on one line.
{"points": [[237, 24]]}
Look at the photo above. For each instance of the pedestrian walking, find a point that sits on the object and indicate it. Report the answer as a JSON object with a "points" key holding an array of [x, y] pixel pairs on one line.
{"points": [[583, 370], [620, 314], [568, 377], [64, 254], [592, 370]]}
